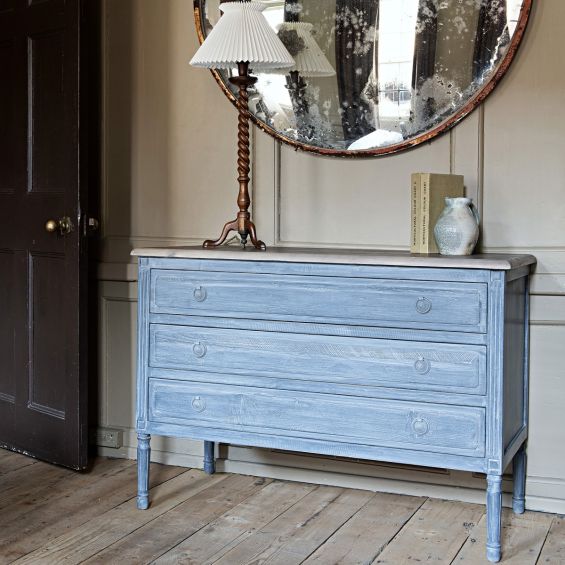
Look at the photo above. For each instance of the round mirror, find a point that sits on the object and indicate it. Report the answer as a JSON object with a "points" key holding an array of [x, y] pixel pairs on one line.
{"points": [[374, 77]]}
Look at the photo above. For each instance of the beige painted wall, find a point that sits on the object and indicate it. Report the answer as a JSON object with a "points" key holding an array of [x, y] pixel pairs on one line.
{"points": [[169, 178]]}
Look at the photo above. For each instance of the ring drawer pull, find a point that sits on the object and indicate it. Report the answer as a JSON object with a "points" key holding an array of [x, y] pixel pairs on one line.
{"points": [[423, 305], [200, 294], [420, 426], [199, 349], [422, 365], [198, 404]]}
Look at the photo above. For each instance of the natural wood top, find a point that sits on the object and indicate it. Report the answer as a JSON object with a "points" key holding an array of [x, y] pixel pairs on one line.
{"points": [[489, 261]]}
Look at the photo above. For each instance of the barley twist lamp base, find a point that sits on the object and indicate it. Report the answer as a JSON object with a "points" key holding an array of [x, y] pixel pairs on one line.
{"points": [[242, 224]]}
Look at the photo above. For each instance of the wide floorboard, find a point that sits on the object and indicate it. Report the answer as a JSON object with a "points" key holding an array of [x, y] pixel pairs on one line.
{"points": [[49, 515]]}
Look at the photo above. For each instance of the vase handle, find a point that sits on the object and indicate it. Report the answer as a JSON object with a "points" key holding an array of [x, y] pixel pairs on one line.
{"points": [[476, 213]]}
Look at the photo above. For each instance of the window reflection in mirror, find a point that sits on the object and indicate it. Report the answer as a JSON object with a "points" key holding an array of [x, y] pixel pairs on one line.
{"points": [[402, 67]]}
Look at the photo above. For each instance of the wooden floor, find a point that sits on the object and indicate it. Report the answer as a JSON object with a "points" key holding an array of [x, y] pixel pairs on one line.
{"points": [[51, 515]]}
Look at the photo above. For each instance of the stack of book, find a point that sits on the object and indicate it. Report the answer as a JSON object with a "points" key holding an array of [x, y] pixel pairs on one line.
{"points": [[429, 191]]}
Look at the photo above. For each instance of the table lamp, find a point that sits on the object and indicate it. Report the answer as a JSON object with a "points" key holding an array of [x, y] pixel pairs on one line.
{"points": [[242, 39]]}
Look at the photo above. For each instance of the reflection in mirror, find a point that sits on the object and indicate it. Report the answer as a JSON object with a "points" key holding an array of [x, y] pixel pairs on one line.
{"points": [[376, 74]]}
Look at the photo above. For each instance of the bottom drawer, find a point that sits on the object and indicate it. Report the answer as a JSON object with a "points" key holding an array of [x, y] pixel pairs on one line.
{"points": [[341, 419]]}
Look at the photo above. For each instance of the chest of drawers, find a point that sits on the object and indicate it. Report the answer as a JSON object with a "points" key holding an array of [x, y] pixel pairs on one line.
{"points": [[380, 356]]}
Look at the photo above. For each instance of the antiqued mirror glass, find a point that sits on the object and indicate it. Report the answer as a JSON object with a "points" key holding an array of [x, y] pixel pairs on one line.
{"points": [[378, 76]]}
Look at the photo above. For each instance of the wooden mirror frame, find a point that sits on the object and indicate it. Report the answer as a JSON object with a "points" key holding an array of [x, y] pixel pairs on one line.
{"points": [[443, 127]]}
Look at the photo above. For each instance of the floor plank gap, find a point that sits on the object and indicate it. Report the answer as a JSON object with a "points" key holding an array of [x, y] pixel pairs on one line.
{"points": [[52, 515]]}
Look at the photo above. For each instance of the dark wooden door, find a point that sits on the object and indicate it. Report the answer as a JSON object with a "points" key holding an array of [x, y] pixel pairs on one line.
{"points": [[42, 273]]}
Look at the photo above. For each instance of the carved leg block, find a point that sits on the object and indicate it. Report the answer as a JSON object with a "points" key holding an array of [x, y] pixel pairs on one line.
{"points": [[494, 517], [519, 496], [209, 459], [143, 458]]}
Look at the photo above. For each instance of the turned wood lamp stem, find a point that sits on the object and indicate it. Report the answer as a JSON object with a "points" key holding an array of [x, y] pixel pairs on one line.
{"points": [[242, 224]]}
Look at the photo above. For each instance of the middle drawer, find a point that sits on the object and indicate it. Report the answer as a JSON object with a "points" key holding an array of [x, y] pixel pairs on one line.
{"points": [[344, 360]]}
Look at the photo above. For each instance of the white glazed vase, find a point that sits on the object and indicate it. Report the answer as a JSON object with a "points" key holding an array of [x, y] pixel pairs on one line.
{"points": [[457, 229]]}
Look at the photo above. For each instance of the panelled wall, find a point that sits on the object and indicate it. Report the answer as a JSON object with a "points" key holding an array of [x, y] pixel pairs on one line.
{"points": [[169, 179]]}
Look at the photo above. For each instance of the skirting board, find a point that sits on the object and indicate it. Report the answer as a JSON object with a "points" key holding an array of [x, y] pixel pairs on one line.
{"points": [[168, 451], [164, 457], [545, 494], [541, 504], [327, 478], [376, 484]]}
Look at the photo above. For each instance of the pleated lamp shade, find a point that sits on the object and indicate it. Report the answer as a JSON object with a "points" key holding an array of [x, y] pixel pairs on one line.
{"points": [[242, 35], [310, 60]]}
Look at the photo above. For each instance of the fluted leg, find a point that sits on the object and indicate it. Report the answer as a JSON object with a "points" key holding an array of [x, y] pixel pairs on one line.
{"points": [[143, 458], [209, 460], [519, 497], [494, 517]]}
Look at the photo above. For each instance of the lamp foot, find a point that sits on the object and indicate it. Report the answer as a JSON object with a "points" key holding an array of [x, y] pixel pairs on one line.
{"points": [[249, 231]]}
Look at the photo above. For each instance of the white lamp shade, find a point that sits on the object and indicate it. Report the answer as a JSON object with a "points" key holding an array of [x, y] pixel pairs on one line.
{"points": [[310, 60], [242, 35]]}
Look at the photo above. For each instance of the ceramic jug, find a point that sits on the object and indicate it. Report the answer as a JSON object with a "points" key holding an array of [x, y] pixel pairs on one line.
{"points": [[457, 229]]}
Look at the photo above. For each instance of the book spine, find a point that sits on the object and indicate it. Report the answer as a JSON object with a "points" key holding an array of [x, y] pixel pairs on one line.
{"points": [[425, 214], [415, 214]]}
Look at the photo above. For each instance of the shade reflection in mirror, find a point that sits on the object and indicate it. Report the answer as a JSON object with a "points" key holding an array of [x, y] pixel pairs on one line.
{"points": [[392, 73]]}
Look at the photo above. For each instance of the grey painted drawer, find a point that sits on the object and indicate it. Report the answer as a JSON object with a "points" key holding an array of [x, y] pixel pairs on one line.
{"points": [[330, 359], [408, 425], [431, 305]]}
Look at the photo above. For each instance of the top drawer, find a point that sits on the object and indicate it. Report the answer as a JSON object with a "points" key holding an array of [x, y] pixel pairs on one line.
{"points": [[356, 301]]}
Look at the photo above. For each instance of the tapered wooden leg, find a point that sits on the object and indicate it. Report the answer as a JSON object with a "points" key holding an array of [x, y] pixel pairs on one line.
{"points": [[143, 458], [209, 459], [494, 517], [519, 497]]}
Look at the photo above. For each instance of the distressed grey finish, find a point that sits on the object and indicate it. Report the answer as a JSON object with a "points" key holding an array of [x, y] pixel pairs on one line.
{"points": [[494, 517], [519, 496], [143, 458], [312, 417], [379, 359], [362, 301], [209, 460], [265, 356]]}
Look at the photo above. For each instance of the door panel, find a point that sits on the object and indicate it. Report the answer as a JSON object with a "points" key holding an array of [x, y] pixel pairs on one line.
{"points": [[45, 272], [7, 118], [7, 6], [47, 344], [7, 329], [51, 168]]}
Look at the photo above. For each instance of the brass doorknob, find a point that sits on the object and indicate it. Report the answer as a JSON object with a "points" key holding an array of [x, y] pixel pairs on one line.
{"points": [[63, 226], [51, 226]]}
